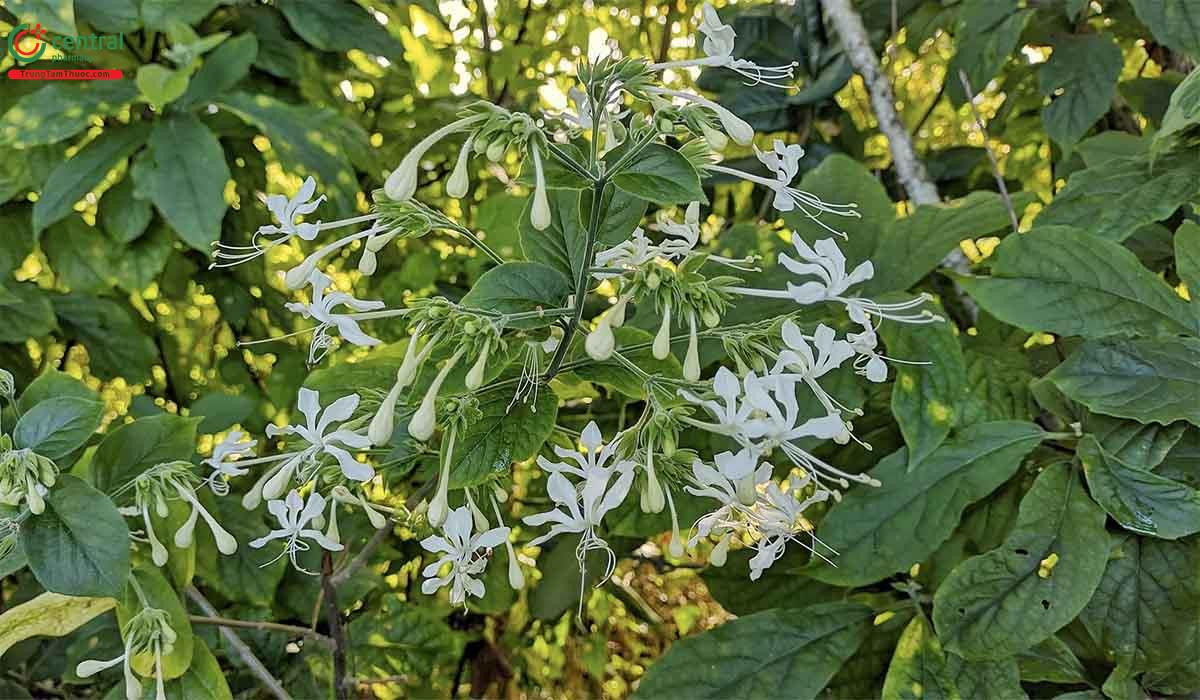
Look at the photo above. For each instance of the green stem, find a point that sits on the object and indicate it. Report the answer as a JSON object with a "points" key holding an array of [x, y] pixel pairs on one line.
{"points": [[466, 233], [581, 281]]}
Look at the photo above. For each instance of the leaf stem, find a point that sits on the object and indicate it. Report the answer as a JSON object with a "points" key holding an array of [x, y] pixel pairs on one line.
{"points": [[581, 280]]}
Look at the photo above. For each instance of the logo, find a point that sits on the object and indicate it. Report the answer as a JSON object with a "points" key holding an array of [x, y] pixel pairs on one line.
{"points": [[27, 45]]}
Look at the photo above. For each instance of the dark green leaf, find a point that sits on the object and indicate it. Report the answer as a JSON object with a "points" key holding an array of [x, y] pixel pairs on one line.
{"points": [[518, 288], [57, 16], [1138, 499], [841, 179], [340, 25], [80, 255], [502, 436], [141, 261], [987, 33], [191, 198], [1146, 380], [109, 15], [999, 603], [562, 244], [79, 545], [135, 447], [1051, 660], [1187, 256], [55, 427], [222, 69], [999, 679], [220, 410], [17, 242], [54, 384], [116, 345], [122, 215], [1141, 445], [60, 110], [781, 586], [244, 576], [1085, 68], [777, 653], [919, 667], [1175, 23], [74, 178], [1083, 285], [30, 316], [660, 174], [880, 531]]}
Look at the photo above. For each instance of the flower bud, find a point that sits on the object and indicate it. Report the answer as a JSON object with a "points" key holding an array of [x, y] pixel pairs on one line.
{"points": [[401, 185], [719, 553], [539, 216], [516, 579], [496, 149], [368, 263], [475, 376], [716, 140], [380, 429], [738, 130], [662, 341], [459, 182], [600, 343], [691, 361], [8, 385]]}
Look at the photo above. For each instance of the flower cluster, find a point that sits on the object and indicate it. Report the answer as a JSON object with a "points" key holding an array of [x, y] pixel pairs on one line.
{"points": [[147, 632]]}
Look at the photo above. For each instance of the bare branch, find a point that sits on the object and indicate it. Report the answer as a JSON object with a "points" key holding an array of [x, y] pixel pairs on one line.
{"points": [[1012, 213], [252, 662]]}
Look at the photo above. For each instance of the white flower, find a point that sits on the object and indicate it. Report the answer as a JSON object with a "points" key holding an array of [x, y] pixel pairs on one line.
{"points": [[730, 412], [323, 437], [828, 265], [735, 126], [461, 551], [629, 254], [733, 482], [779, 520], [783, 162], [172, 481], [580, 508], [285, 210], [7, 384], [869, 363], [294, 515], [148, 632], [776, 417], [401, 184], [321, 309], [224, 461], [800, 357], [718, 37]]}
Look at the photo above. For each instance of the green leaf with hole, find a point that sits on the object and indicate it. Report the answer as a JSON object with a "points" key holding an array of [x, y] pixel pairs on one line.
{"points": [[1009, 599]]}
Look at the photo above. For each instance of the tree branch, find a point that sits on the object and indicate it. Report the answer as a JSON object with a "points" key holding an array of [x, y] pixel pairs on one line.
{"points": [[293, 630], [1012, 213], [235, 642], [341, 689]]}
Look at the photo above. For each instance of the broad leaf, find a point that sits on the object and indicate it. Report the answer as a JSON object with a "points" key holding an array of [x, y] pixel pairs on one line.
{"points": [[117, 346], [244, 576], [57, 16], [1183, 111], [562, 244], [48, 615], [659, 174], [1141, 445], [1147, 603], [778, 653], [79, 545], [501, 436], [1115, 199], [919, 668], [841, 179], [1146, 380], [519, 287], [1000, 678], [122, 215], [74, 178], [1140, 500], [340, 25], [1175, 23], [987, 33], [783, 585], [31, 315], [56, 427], [1083, 285], [53, 384], [1007, 600], [1085, 68], [1052, 660], [222, 69], [1187, 256], [880, 531], [135, 447], [927, 396], [185, 175], [62, 109], [80, 254]]}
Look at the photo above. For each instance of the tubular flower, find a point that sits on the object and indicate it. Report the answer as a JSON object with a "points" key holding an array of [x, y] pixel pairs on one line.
{"points": [[224, 461], [148, 632], [460, 551], [172, 481], [294, 514], [321, 309], [24, 476], [401, 184]]}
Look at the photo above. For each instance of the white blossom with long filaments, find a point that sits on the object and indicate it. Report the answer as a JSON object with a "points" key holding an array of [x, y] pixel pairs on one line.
{"points": [[321, 309], [294, 515], [465, 554]]}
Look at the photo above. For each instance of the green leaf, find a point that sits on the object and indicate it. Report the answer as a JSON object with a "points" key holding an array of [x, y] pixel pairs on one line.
{"points": [[62, 109], [926, 398], [121, 214], [778, 653], [1141, 445], [1117, 198], [1138, 499], [204, 679], [502, 436], [1183, 113], [1187, 256], [1151, 380], [864, 677], [191, 198], [562, 244], [519, 287], [109, 15], [142, 260], [159, 594], [913, 246], [31, 316], [135, 447], [54, 384], [659, 174], [223, 69], [340, 25], [1085, 68], [1083, 285], [161, 85], [74, 178], [880, 531], [48, 615], [623, 213], [116, 345], [308, 141], [987, 32], [560, 589], [783, 585], [842, 179], [1051, 660], [79, 254], [17, 242], [985, 679], [161, 14], [57, 16], [1108, 145], [1147, 603], [55, 427], [243, 576], [997, 604], [79, 545], [919, 666], [220, 410], [1175, 23]]}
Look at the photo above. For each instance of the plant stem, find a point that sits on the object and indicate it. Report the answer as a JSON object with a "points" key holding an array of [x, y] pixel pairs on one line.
{"points": [[294, 630], [581, 281], [341, 690], [272, 684]]}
